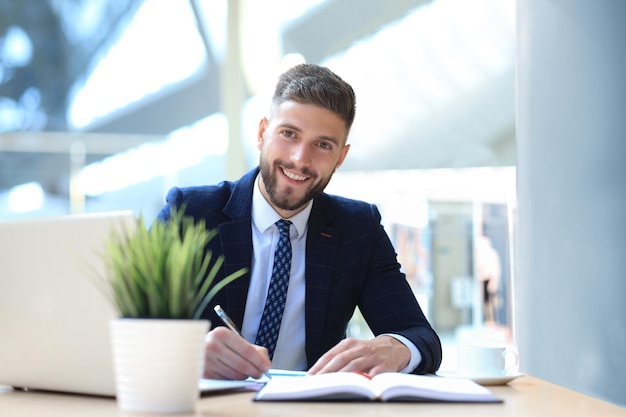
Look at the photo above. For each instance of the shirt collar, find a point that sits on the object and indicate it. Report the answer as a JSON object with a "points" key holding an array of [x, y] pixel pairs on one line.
{"points": [[264, 215]]}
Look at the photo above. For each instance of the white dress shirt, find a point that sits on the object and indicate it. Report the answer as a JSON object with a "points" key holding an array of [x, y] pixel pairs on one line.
{"points": [[289, 352]]}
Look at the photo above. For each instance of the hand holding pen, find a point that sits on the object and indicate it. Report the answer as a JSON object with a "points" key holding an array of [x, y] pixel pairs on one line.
{"points": [[231, 325]]}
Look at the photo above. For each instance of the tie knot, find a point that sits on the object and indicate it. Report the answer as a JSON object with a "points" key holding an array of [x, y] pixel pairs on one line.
{"points": [[283, 227]]}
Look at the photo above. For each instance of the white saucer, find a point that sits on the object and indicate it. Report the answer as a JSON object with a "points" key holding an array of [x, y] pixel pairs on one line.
{"points": [[484, 379]]}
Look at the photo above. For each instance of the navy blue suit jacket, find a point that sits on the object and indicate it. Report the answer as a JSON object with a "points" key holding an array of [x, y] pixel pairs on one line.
{"points": [[350, 262]]}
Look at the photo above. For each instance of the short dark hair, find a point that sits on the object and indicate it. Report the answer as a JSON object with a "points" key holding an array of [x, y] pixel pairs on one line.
{"points": [[314, 84]]}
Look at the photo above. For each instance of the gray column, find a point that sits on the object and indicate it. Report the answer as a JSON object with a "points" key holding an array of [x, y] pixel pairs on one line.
{"points": [[571, 227]]}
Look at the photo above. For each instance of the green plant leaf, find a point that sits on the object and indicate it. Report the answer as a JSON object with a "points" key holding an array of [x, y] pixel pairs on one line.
{"points": [[164, 271]]}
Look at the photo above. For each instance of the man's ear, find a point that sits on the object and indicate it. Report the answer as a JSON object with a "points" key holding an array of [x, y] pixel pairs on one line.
{"points": [[262, 126]]}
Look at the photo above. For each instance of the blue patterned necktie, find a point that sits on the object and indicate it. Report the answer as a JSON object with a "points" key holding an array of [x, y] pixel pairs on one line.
{"points": [[277, 293]]}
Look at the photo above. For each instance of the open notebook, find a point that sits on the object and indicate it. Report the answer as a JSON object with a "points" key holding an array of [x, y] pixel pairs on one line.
{"points": [[390, 386]]}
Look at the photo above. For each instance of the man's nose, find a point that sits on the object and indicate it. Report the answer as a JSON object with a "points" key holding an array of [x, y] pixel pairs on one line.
{"points": [[300, 153]]}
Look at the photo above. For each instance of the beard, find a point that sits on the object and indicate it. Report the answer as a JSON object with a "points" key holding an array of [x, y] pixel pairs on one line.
{"points": [[285, 200]]}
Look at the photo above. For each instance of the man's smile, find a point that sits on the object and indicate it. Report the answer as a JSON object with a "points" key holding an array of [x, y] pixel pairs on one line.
{"points": [[293, 176]]}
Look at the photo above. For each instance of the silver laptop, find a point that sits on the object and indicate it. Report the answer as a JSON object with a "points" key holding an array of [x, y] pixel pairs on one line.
{"points": [[54, 320]]}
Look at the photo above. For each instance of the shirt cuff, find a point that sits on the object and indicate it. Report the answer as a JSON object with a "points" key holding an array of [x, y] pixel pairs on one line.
{"points": [[416, 355]]}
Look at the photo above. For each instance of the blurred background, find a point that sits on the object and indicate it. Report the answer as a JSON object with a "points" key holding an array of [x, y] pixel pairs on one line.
{"points": [[104, 105]]}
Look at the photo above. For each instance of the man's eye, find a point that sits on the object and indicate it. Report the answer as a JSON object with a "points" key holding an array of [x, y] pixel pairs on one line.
{"points": [[289, 133], [326, 145]]}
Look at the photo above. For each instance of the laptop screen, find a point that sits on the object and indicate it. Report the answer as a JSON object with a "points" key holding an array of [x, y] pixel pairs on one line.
{"points": [[54, 318]]}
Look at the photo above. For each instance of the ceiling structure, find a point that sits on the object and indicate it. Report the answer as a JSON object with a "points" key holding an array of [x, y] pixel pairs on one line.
{"points": [[473, 125]]}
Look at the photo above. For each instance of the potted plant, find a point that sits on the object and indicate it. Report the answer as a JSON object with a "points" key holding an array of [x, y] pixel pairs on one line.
{"points": [[160, 280]]}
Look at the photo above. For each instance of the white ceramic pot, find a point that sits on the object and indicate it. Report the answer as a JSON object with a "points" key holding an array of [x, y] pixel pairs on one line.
{"points": [[158, 363]]}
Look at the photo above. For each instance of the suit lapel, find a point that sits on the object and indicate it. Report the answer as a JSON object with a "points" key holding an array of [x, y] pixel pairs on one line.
{"points": [[321, 249]]}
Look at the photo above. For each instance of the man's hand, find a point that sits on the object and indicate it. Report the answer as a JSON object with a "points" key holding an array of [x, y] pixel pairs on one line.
{"points": [[375, 356], [230, 356]]}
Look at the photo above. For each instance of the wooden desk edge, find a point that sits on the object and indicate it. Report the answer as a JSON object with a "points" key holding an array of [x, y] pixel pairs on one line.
{"points": [[525, 396]]}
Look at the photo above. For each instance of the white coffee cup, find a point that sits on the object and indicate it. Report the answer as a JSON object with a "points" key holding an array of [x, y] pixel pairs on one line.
{"points": [[485, 360]]}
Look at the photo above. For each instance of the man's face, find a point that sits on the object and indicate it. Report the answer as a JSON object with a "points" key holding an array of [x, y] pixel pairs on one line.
{"points": [[301, 146]]}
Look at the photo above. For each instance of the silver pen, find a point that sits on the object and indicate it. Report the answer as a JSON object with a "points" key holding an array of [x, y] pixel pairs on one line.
{"points": [[231, 325]]}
